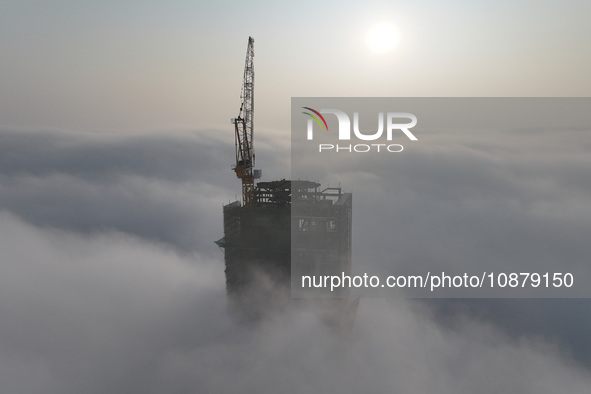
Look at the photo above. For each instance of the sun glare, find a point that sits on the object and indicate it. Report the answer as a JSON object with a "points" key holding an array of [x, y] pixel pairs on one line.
{"points": [[382, 38]]}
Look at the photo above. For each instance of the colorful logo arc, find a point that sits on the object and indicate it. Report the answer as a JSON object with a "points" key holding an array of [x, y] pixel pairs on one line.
{"points": [[315, 118]]}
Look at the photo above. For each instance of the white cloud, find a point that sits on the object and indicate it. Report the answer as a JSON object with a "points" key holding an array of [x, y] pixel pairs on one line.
{"points": [[113, 313]]}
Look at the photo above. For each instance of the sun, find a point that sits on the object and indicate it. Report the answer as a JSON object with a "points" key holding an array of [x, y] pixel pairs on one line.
{"points": [[382, 38]]}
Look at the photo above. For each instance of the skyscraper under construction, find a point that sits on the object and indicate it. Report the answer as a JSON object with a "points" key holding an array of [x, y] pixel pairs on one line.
{"points": [[280, 231], [292, 228]]}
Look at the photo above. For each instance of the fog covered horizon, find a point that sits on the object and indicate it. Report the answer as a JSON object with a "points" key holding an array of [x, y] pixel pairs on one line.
{"points": [[111, 282]]}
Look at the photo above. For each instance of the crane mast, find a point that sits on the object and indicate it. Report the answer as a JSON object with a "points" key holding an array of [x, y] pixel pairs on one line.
{"points": [[244, 130]]}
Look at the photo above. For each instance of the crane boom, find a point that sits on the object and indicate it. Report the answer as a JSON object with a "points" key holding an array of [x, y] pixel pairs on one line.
{"points": [[244, 130]]}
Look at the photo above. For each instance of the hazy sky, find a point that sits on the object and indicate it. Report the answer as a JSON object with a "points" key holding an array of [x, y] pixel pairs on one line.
{"points": [[115, 153], [132, 65]]}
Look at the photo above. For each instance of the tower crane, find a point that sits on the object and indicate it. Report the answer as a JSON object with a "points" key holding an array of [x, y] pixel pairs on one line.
{"points": [[243, 126]]}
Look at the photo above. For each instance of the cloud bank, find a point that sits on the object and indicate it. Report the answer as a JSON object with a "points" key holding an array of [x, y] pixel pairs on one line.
{"points": [[110, 282]]}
